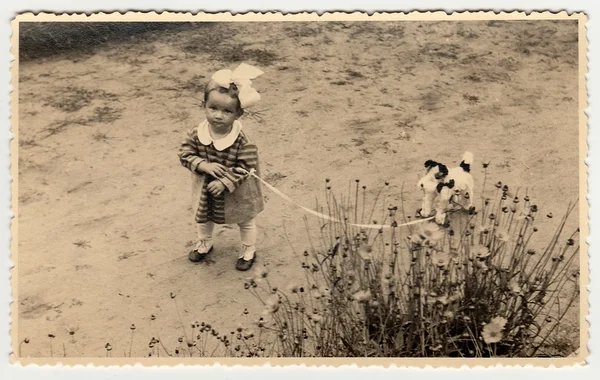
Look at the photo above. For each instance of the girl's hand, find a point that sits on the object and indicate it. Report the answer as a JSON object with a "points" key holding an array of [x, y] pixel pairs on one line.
{"points": [[216, 188], [213, 169]]}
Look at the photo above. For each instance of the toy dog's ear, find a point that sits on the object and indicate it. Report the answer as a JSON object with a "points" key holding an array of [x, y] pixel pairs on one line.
{"points": [[430, 163], [443, 170]]}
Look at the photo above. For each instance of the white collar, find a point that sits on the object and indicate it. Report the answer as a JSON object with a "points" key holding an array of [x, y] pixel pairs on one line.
{"points": [[222, 143]]}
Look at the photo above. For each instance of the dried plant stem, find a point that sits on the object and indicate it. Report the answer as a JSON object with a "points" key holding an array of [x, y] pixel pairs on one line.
{"points": [[180, 320], [131, 342]]}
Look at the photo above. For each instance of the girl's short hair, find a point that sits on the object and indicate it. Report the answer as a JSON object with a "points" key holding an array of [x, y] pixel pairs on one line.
{"points": [[232, 91]]}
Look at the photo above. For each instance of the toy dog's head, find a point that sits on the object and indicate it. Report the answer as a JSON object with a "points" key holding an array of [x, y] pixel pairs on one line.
{"points": [[436, 172], [436, 169]]}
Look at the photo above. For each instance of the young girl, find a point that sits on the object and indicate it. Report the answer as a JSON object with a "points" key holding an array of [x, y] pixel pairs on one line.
{"points": [[214, 151]]}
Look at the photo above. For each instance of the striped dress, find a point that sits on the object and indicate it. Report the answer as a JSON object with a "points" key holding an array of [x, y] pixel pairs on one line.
{"points": [[242, 153]]}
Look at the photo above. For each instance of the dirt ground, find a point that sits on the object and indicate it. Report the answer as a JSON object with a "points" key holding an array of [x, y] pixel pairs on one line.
{"points": [[104, 205]]}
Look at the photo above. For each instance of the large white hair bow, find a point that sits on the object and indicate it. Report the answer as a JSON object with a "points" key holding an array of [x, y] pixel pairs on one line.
{"points": [[242, 77]]}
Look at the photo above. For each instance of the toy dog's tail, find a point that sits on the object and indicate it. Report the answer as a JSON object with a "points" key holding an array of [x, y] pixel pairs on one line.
{"points": [[467, 161]]}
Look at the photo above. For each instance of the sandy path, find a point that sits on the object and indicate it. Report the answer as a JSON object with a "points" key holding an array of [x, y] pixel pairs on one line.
{"points": [[104, 219]]}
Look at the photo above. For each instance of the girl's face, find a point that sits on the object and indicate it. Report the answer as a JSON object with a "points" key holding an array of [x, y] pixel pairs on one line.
{"points": [[221, 111]]}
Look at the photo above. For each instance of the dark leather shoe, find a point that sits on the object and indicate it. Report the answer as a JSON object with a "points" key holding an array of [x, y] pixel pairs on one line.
{"points": [[244, 265], [197, 257]]}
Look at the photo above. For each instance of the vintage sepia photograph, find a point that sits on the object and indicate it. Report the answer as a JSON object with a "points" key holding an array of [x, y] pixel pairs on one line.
{"points": [[268, 187]]}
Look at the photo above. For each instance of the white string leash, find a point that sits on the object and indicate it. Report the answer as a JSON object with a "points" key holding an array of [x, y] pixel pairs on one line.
{"points": [[252, 172]]}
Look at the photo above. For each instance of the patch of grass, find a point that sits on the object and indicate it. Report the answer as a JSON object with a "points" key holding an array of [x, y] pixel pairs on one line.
{"points": [[408, 123], [359, 28], [101, 115], [313, 58], [274, 177], [71, 98], [79, 187], [473, 78], [179, 116], [194, 84], [403, 136], [76, 39], [431, 100], [27, 143], [238, 53], [82, 244], [354, 74], [256, 115], [447, 51], [100, 137], [126, 255], [496, 23], [302, 29], [472, 99], [203, 43], [468, 34], [59, 126], [358, 141], [105, 115]]}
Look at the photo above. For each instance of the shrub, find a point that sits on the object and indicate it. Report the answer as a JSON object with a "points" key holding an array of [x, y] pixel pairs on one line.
{"points": [[472, 288]]}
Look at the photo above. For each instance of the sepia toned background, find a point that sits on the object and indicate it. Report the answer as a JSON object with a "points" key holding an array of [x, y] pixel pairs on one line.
{"points": [[104, 219]]}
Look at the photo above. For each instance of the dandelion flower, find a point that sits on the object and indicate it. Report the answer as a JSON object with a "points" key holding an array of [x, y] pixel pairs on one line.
{"points": [[481, 251], [514, 286], [448, 314], [492, 332]]}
